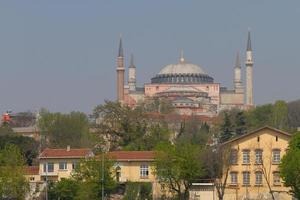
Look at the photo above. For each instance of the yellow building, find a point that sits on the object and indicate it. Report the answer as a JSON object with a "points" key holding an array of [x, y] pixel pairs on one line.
{"points": [[135, 166], [254, 165], [56, 164]]}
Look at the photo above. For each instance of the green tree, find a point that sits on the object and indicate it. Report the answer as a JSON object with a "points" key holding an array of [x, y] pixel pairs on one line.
{"points": [[240, 123], [290, 166], [65, 189], [5, 129], [294, 114], [89, 175], [177, 166], [226, 128], [138, 191], [28, 146], [13, 184], [280, 115], [128, 128], [60, 130], [259, 116]]}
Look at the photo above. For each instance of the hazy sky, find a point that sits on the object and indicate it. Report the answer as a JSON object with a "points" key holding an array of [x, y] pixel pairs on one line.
{"points": [[62, 54]]}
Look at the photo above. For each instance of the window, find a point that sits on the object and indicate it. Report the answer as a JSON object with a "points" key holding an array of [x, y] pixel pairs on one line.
{"points": [[258, 178], [276, 178], [276, 156], [74, 165], [276, 138], [144, 172], [258, 156], [233, 156], [31, 178], [246, 178], [48, 167], [258, 138], [233, 177], [62, 165], [246, 157]]}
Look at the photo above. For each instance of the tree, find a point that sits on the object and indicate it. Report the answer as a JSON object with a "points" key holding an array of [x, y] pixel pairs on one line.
{"points": [[259, 116], [280, 115], [290, 166], [177, 166], [13, 184], [28, 146], [226, 129], [294, 114], [65, 189], [127, 128], [89, 175], [217, 165], [240, 123], [5, 129], [60, 130]]}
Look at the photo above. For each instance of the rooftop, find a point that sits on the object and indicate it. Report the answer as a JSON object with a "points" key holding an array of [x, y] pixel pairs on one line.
{"points": [[31, 170], [66, 153], [132, 155]]}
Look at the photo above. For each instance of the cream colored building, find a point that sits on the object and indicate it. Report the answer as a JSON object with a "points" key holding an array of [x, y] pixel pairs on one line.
{"points": [[255, 159], [56, 164]]}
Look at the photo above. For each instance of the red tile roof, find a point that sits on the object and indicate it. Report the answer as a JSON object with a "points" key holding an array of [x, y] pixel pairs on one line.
{"points": [[31, 170], [132, 155], [64, 153]]}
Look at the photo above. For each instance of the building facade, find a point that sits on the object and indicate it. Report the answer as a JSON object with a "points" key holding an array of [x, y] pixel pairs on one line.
{"points": [[188, 87], [56, 164], [254, 165]]}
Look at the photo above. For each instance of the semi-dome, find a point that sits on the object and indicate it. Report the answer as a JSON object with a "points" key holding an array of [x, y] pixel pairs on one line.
{"points": [[182, 73]]}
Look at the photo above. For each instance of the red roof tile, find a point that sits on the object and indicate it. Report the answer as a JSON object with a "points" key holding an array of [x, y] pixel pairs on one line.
{"points": [[31, 170], [132, 155], [64, 153]]}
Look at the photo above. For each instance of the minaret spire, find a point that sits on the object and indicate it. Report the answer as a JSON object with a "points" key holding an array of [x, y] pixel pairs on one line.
{"points": [[131, 75], [131, 61], [121, 53], [237, 60], [249, 72], [238, 75], [249, 48], [120, 73]]}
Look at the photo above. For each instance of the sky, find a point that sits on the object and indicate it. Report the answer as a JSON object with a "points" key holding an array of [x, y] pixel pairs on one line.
{"points": [[61, 55]]}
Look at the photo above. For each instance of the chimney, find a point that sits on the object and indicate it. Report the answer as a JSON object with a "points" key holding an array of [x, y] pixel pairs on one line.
{"points": [[68, 148]]}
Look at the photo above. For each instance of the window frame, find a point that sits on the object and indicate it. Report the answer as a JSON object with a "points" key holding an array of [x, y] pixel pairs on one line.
{"points": [[235, 178], [46, 167], [233, 156], [276, 183], [246, 183], [144, 171], [260, 182], [276, 158], [64, 164], [258, 158], [248, 156]]}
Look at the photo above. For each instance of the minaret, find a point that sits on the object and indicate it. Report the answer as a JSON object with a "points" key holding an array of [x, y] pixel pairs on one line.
{"points": [[249, 73], [131, 75], [238, 75], [120, 73]]}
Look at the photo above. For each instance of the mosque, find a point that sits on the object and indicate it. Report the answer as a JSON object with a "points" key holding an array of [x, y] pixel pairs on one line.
{"points": [[189, 89]]}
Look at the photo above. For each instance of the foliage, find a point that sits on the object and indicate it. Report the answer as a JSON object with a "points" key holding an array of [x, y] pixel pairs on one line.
{"points": [[13, 184], [194, 132], [259, 116], [27, 145], [128, 128], [280, 115], [177, 166], [60, 130], [138, 191], [65, 189], [290, 166], [5, 129], [89, 175], [240, 123], [159, 105], [294, 114], [226, 129]]}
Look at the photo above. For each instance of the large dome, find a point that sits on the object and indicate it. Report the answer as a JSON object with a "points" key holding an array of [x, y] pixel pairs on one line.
{"points": [[182, 73], [182, 68]]}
